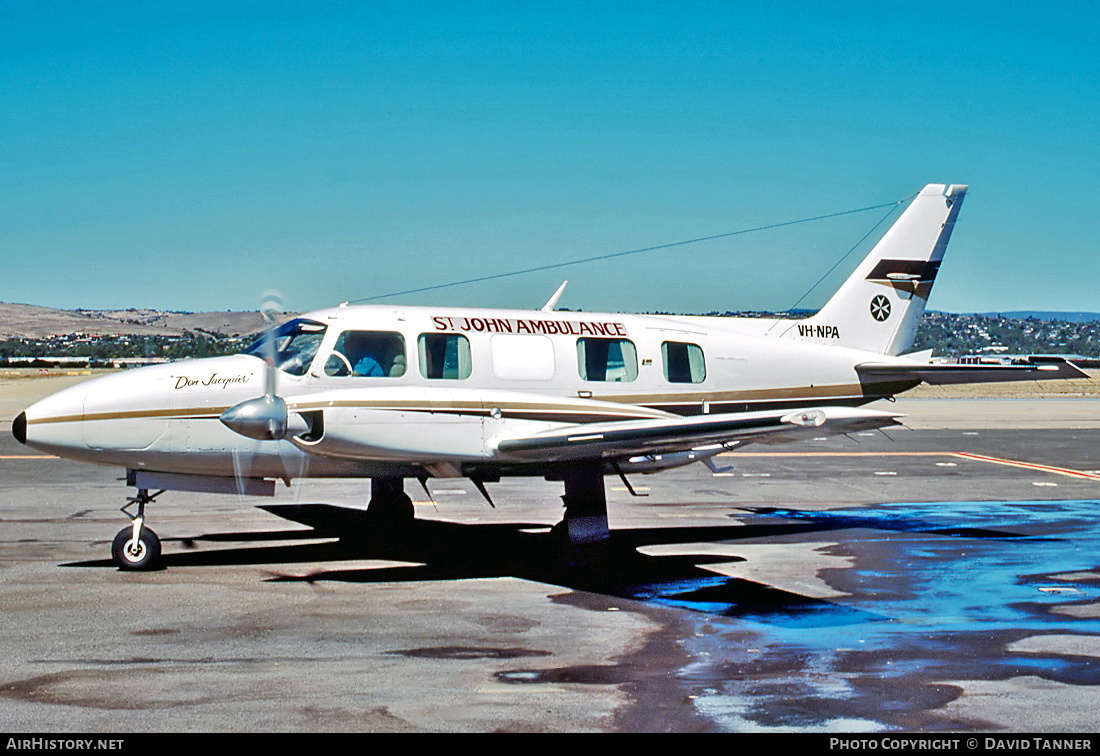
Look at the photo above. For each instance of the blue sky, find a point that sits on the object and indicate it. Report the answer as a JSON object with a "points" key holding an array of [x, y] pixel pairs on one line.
{"points": [[193, 155]]}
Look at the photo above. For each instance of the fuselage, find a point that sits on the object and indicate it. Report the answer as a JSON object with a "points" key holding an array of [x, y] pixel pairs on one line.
{"points": [[383, 390]]}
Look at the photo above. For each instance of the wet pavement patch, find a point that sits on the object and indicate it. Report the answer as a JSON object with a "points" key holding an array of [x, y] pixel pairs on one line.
{"points": [[953, 589], [884, 518], [735, 597]]}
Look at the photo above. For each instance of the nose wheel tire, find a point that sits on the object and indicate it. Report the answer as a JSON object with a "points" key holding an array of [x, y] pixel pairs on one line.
{"points": [[142, 554]]}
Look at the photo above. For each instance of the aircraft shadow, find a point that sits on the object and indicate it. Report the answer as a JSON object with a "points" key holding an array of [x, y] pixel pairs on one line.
{"points": [[438, 550]]}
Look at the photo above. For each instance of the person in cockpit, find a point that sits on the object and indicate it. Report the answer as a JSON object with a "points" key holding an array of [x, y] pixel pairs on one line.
{"points": [[363, 354]]}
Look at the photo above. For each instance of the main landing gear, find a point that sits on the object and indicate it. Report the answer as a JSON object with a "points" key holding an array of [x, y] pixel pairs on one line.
{"points": [[581, 539], [137, 547], [389, 505], [583, 533]]}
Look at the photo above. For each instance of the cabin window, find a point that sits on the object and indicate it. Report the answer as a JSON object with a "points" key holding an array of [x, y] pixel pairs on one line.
{"points": [[612, 360], [368, 354], [444, 355], [294, 343], [683, 362], [522, 358]]}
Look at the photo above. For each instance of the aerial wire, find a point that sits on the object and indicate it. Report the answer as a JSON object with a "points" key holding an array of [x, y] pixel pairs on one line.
{"points": [[855, 246], [669, 245]]}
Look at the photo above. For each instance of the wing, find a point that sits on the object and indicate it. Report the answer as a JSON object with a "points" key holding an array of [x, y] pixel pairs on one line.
{"points": [[423, 426], [940, 374], [633, 437]]}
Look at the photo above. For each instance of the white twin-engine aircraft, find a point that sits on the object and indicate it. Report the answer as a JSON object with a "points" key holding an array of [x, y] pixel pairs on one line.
{"points": [[390, 393]]}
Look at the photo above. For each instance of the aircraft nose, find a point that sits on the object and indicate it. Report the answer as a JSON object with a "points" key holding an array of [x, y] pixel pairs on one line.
{"points": [[53, 423], [19, 428]]}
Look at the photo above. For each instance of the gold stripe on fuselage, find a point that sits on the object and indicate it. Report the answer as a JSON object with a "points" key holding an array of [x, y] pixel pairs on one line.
{"points": [[178, 413], [634, 406]]}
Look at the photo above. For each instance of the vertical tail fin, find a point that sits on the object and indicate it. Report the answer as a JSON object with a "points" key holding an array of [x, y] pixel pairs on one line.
{"points": [[879, 307]]}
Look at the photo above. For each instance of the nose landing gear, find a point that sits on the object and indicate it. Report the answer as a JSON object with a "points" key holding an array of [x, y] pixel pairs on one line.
{"points": [[137, 547]]}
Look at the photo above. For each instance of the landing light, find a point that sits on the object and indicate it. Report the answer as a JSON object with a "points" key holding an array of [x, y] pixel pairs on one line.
{"points": [[807, 418]]}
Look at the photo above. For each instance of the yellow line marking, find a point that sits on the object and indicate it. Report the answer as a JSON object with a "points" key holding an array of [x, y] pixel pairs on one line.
{"points": [[1028, 465], [28, 456], [835, 454]]}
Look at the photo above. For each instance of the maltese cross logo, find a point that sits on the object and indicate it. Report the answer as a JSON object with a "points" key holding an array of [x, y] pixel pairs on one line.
{"points": [[880, 308]]}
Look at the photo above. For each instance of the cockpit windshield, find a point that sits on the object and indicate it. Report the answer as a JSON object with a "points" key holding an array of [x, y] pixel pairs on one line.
{"points": [[296, 344]]}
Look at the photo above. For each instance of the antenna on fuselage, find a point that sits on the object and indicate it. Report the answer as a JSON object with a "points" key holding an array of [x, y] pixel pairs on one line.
{"points": [[553, 301]]}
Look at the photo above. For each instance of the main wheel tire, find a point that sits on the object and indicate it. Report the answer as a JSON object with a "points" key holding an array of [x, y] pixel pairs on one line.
{"points": [[144, 555], [390, 505], [394, 514], [575, 556]]}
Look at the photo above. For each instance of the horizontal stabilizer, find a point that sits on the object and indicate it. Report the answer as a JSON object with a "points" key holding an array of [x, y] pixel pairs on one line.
{"points": [[942, 374]]}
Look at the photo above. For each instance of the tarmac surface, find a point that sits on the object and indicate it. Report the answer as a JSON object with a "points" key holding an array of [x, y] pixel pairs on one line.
{"points": [[944, 578]]}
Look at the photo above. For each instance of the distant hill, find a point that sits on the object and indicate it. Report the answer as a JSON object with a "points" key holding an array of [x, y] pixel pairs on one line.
{"points": [[948, 334], [1069, 317], [33, 322]]}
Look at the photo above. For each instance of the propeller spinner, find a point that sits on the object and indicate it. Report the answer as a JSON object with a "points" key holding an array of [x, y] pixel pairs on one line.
{"points": [[265, 417]]}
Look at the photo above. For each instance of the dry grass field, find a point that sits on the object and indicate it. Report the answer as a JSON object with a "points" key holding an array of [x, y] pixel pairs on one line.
{"points": [[31, 321]]}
